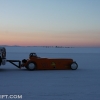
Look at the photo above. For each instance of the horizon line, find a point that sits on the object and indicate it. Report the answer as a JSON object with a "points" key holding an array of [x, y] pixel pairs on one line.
{"points": [[48, 46]]}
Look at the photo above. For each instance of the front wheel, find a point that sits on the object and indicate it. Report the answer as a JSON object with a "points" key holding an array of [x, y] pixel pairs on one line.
{"points": [[31, 66], [74, 66]]}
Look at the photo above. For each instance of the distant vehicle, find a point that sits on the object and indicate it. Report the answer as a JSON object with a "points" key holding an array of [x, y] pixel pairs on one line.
{"points": [[38, 63], [2, 56]]}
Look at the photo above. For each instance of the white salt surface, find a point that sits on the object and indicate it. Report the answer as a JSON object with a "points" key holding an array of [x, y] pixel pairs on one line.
{"points": [[80, 84]]}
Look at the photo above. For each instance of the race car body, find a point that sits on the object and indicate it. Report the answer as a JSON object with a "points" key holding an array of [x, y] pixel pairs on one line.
{"points": [[35, 62]]}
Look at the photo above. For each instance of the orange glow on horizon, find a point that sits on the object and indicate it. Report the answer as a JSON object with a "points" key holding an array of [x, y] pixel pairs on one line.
{"points": [[43, 39]]}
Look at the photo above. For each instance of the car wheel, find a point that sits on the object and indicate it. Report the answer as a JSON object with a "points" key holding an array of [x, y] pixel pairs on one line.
{"points": [[31, 66], [74, 66]]}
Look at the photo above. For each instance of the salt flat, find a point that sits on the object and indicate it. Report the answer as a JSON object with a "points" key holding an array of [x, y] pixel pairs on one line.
{"points": [[80, 84]]}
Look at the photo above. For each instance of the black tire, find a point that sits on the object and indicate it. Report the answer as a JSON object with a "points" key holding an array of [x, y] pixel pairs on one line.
{"points": [[31, 66], [74, 66], [0, 60]]}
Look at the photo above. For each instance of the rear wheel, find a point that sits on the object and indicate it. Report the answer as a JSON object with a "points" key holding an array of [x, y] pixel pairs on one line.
{"points": [[74, 66], [31, 66]]}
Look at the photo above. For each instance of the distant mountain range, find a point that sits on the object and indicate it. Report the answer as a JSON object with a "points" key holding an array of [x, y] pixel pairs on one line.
{"points": [[9, 46], [35, 46]]}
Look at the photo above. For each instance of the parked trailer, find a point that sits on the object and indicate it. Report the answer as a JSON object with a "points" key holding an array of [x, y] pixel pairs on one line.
{"points": [[37, 63]]}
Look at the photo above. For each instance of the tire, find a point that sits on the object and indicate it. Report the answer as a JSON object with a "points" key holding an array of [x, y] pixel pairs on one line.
{"points": [[3, 61], [31, 66], [0, 60], [74, 66]]}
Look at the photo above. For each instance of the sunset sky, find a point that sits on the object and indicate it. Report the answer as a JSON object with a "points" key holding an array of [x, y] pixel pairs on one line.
{"points": [[50, 22]]}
